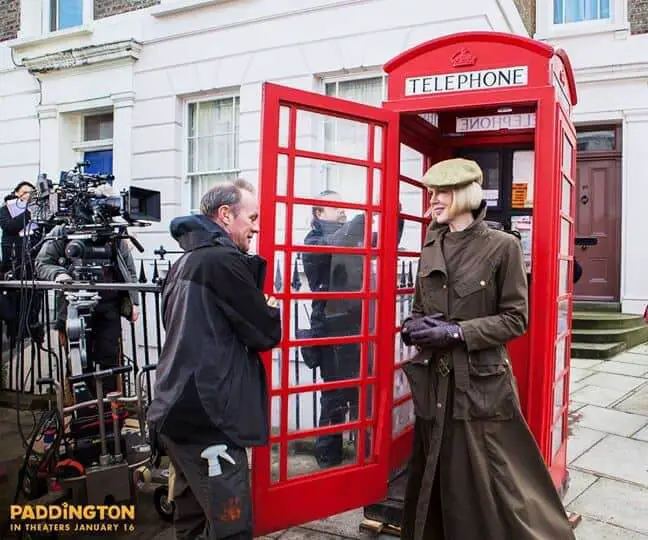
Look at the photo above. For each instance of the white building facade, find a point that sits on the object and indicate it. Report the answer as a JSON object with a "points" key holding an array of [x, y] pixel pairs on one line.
{"points": [[607, 42], [169, 95]]}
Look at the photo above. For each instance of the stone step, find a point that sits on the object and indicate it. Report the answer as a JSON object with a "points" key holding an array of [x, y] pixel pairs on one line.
{"points": [[630, 336], [601, 351], [612, 307], [591, 320]]}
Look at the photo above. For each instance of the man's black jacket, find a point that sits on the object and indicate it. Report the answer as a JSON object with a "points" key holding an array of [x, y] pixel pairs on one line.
{"points": [[211, 384]]}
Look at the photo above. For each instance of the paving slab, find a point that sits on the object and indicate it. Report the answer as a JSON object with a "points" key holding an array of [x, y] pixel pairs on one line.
{"points": [[636, 403], [630, 357], [578, 374], [622, 368], [575, 386], [580, 440], [305, 534], [640, 349], [611, 421], [617, 457], [642, 434], [576, 405], [578, 482], [585, 363], [614, 381], [591, 529], [597, 395], [346, 524], [615, 503]]}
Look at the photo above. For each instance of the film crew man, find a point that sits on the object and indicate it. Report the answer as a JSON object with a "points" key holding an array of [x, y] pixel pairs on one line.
{"points": [[340, 272], [19, 236], [103, 339], [211, 398]]}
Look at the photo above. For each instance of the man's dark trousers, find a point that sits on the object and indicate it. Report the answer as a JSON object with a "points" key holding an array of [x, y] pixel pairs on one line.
{"points": [[209, 508]]}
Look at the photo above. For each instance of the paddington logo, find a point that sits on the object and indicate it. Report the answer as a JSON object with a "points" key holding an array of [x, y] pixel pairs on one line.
{"points": [[67, 518], [232, 510], [463, 58]]}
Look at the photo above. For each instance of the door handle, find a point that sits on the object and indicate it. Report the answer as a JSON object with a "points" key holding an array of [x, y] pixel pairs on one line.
{"points": [[584, 200]]}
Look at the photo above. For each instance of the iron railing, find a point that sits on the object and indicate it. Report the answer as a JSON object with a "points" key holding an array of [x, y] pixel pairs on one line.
{"points": [[23, 363]]}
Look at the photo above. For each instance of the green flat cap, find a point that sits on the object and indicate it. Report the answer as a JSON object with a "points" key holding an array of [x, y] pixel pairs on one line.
{"points": [[453, 173]]}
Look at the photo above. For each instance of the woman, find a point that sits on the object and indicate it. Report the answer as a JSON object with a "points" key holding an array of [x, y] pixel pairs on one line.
{"points": [[476, 471], [19, 236]]}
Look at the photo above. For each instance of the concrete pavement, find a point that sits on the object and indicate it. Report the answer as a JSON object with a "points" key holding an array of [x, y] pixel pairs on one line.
{"points": [[607, 454]]}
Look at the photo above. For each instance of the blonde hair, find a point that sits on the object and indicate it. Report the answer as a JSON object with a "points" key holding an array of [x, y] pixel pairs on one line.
{"points": [[465, 199]]}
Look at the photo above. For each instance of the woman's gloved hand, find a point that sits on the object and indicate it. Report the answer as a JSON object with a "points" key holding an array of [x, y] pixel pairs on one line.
{"points": [[441, 336], [411, 325]]}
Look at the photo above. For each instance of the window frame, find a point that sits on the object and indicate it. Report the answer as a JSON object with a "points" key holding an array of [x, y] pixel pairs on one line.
{"points": [[547, 29], [187, 203], [585, 21], [87, 16]]}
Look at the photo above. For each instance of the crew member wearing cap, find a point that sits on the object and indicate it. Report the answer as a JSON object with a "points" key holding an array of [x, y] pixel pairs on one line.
{"points": [[476, 471]]}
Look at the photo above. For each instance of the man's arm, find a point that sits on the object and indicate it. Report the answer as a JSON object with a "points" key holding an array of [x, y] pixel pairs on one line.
{"points": [[47, 260], [256, 324]]}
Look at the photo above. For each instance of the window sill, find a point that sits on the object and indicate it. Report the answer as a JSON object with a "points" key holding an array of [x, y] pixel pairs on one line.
{"points": [[103, 144], [50, 37], [174, 7], [585, 28]]}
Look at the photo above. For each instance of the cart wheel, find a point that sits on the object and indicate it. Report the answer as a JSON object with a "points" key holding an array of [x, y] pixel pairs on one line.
{"points": [[163, 505]]}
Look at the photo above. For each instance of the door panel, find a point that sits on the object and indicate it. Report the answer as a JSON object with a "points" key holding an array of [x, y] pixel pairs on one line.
{"points": [[598, 215], [337, 299], [101, 161]]}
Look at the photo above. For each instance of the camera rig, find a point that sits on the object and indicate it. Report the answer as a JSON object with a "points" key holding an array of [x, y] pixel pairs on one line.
{"points": [[91, 222]]}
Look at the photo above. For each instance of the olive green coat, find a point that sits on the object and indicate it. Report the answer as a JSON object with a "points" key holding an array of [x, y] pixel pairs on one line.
{"points": [[476, 471]]}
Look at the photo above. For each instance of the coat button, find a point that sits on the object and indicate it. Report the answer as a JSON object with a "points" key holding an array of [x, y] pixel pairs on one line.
{"points": [[439, 405], [445, 286], [482, 283]]}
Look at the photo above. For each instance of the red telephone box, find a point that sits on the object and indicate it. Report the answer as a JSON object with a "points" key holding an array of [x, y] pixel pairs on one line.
{"points": [[500, 99]]}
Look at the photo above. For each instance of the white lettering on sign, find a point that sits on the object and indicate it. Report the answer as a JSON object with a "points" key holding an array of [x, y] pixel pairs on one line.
{"points": [[468, 80], [496, 122]]}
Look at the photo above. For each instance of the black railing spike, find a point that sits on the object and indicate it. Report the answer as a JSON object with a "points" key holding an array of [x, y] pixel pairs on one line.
{"points": [[156, 274], [410, 277], [278, 278], [142, 274], [403, 276], [295, 282]]}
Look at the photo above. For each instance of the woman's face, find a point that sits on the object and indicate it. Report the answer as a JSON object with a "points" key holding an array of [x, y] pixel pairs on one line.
{"points": [[440, 203], [24, 192]]}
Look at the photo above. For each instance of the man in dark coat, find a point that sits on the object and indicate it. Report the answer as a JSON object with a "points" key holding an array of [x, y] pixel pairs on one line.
{"points": [[339, 272], [211, 393]]}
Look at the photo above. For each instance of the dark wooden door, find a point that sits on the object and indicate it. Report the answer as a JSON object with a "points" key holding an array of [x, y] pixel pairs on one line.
{"points": [[598, 214]]}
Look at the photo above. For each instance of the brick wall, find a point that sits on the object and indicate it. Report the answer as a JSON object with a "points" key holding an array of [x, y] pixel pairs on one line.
{"points": [[106, 8], [9, 19], [527, 9], [638, 15]]}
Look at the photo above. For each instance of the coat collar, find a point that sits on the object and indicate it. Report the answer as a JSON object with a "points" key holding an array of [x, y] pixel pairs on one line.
{"points": [[432, 259], [436, 230]]}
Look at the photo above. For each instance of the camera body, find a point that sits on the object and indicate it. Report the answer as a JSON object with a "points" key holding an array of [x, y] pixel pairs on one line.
{"points": [[84, 202], [92, 218]]}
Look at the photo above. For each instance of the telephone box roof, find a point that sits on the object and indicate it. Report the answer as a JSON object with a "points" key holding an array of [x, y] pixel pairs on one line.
{"points": [[512, 40]]}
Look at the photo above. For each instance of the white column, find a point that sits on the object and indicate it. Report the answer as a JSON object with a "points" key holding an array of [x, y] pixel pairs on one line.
{"points": [[634, 251], [49, 141], [122, 138]]}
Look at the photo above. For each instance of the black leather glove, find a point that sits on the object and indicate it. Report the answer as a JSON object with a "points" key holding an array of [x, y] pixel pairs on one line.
{"points": [[438, 337], [411, 325], [435, 321]]}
